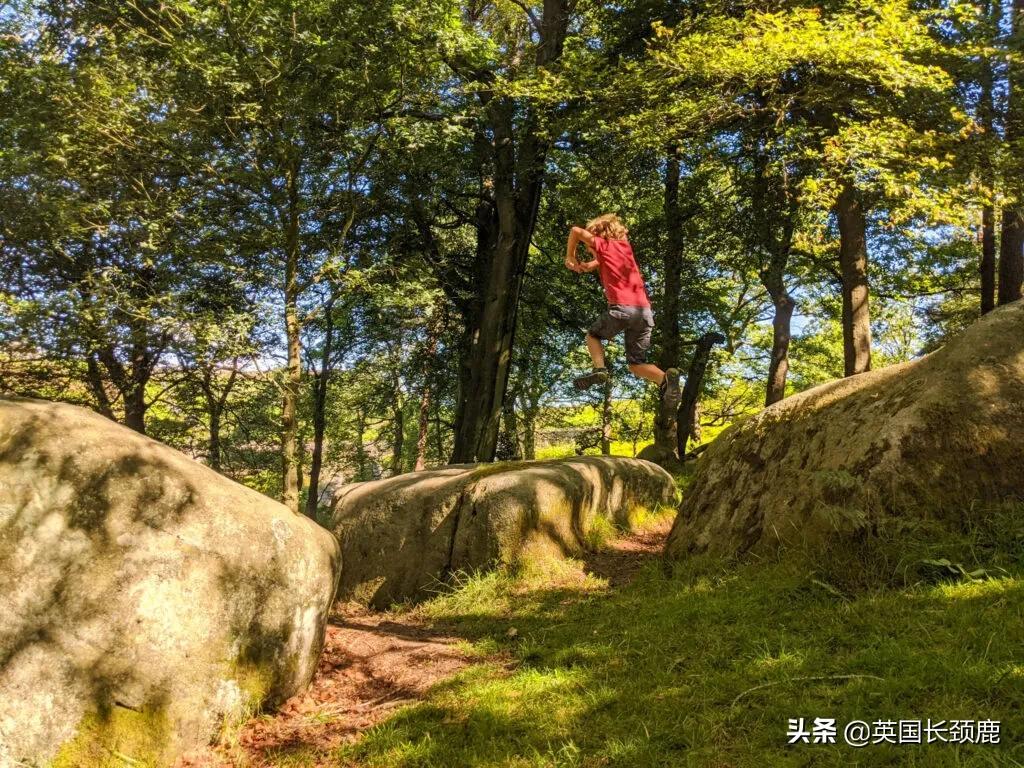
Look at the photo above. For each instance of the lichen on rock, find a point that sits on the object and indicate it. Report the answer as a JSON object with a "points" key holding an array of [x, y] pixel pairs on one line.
{"points": [[147, 600], [933, 437]]}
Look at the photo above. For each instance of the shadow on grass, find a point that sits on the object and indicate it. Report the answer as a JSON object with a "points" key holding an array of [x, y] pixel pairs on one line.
{"points": [[706, 670]]}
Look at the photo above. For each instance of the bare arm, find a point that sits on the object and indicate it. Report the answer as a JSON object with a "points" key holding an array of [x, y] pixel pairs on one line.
{"points": [[576, 236]]}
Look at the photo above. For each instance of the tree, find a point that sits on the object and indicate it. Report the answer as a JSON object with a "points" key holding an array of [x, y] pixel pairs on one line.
{"points": [[992, 15], [834, 81], [1011, 241], [292, 117], [853, 268], [316, 242], [96, 230], [334, 328], [773, 212], [213, 347], [512, 135], [687, 416]]}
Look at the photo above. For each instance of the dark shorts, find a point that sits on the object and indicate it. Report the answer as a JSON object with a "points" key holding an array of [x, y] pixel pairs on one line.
{"points": [[637, 322]]}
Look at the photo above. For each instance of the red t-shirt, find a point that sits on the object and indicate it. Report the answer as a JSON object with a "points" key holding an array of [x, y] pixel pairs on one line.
{"points": [[619, 273]]}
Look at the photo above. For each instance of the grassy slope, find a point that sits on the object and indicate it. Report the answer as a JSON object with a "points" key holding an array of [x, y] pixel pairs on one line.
{"points": [[666, 671]]}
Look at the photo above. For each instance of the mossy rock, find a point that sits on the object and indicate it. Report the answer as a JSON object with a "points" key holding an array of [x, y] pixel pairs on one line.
{"points": [[119, 737], [404, 535], [936, 438], [147, 601]]}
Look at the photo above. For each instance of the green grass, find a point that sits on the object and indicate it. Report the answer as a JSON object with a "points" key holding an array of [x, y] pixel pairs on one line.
{"points": [[703, 667]]}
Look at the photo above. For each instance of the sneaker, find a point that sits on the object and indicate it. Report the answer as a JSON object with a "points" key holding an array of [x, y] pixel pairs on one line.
{"points": [[597, 376], [670, 393]]}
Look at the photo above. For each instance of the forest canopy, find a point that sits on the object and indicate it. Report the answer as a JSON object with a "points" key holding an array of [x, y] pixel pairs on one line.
{"points": [[322, 241]]}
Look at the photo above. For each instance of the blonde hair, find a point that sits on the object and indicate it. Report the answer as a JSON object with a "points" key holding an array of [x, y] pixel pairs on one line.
{"points": [[607, 226]]}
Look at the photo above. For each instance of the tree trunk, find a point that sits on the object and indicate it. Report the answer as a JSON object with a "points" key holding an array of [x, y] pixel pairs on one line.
{"points": [[529, 436], [853, 263], [135, 407], [300, 456], [467, 418], [665, 421], [293, 373], [361, 473], [130, 383], [1011, 244], [316, 459], [687, 415], [397, 418], [988, 259], [215, 404], [99, 391], [398, 439], [516, 171], [673, 264], [488, 359], [988, 215], [213, 446], [529, 408], [434, 325], [606, 419], [778, 368], [135, 397], [213, 413], [774, 212], [508, 443], [696, 431], [1011, 254], [438, 434], [423, 429], [137, 377], [321, 385]]}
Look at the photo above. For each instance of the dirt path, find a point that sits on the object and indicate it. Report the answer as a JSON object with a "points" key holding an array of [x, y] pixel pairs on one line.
{"points": [[625, 556], [373, 663]]}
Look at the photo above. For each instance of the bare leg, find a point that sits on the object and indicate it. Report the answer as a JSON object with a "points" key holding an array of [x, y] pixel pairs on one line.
{"points": [[600, 374], [596, 349], [645, 370]]}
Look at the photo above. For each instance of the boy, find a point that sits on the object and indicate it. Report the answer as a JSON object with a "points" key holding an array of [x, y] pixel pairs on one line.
{"points": [[629, 309]]}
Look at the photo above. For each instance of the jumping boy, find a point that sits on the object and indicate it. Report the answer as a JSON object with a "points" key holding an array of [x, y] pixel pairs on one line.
{"points": [[629, 309]]}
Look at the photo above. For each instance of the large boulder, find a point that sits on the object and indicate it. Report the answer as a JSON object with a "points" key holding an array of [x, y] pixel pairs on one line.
{"points": [[402, 535], [933, 437], [147, 601]]}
